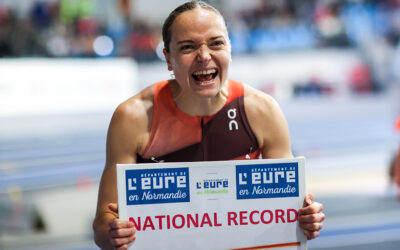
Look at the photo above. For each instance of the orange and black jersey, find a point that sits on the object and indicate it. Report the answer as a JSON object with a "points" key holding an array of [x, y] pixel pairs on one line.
{"points": [[177, 137]]}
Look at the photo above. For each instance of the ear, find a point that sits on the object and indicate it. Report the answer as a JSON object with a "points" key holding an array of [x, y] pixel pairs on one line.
{"points": [[230, 49], [166, 55]]}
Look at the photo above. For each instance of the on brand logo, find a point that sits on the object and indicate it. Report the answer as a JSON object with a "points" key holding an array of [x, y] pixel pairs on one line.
{"points": [[232, 123]]}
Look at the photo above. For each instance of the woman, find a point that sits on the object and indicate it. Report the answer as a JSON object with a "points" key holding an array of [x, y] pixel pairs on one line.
{"points": [[199, 115]]}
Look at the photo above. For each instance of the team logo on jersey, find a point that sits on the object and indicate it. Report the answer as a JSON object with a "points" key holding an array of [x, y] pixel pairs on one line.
{"points": [[233, 125], [267, 181], [151, 186]]}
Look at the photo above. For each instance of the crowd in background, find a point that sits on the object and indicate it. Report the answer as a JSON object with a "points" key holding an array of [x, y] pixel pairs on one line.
{"points": [[67, 28], [292, 24]]}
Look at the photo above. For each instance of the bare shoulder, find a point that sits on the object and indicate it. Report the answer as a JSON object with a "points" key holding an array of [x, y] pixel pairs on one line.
{"points": [[259, 103], [268, 123], [137, 107], [131, 121]]}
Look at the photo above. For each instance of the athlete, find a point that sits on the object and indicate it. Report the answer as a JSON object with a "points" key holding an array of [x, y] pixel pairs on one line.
{"points": [[200, 115], [395, 164]]}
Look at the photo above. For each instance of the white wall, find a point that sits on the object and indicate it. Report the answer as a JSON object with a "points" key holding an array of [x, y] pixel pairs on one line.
{"points": [[53, 86]]}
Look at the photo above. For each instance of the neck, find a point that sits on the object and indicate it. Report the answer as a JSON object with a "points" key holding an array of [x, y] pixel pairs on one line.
{"points": [[196, 105]]}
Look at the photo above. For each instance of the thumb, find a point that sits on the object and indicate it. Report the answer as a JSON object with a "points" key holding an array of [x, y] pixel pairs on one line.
{"points": [[113, 207], [308, 200]]}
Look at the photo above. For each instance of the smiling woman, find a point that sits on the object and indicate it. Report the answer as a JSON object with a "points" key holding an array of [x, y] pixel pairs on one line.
{"points": [[201, 115], [198, 51]]}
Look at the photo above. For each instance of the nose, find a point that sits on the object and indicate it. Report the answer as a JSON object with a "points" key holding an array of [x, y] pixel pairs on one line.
{"points": [[203, 54]]}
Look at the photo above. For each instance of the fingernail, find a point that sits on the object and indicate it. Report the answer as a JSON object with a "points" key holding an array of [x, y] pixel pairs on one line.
{"points": [[309, 201]]}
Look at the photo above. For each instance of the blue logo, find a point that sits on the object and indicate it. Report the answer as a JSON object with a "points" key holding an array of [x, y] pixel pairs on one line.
{"points": [[212, 186], [150, 186], [267, 181]]}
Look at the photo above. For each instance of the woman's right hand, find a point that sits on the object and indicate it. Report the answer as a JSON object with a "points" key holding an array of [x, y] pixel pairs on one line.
{"points": [[122, 232]]}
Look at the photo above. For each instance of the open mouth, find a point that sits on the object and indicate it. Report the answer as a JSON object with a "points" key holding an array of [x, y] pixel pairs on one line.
{"points": [[205, 75]]}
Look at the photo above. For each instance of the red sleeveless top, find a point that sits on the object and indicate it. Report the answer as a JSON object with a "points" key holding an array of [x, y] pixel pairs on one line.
{"points": [[176, 136]]}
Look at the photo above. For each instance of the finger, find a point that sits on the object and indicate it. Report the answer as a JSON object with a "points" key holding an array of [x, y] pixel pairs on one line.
{"points": [[124, 232], [113, 207], [117, 224], [311, 234], [315, 207], [308, 200], [123, 247], [310, 218], [313, 227], [117, 242]]}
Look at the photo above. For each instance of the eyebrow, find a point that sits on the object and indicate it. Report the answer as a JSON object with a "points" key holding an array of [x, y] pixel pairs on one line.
{"points": [[191, 41], [184, 41], [217, 37]]}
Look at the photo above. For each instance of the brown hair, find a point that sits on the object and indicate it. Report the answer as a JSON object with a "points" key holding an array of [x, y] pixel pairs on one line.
{"points": [[166, 29]]}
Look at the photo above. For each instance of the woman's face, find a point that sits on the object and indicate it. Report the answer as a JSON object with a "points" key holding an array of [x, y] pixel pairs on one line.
{"points": [[199, 52]]}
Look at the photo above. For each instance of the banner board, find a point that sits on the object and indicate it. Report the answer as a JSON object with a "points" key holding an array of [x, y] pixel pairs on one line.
{"points": [[214, 205]]}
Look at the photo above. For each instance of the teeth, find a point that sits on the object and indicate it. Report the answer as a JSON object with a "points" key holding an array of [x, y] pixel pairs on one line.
{"points": [[206, 82], [204, 72]]}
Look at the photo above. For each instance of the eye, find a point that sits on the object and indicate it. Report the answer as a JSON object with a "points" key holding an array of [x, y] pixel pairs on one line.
{"points": [[186, 47], [217, 43]]}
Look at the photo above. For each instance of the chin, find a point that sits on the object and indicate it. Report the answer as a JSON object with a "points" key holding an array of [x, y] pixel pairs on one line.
{"points": [[209, 90]]}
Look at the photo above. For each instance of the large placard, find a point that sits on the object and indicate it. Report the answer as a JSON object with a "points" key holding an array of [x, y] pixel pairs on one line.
{"points": [[214, 205]]}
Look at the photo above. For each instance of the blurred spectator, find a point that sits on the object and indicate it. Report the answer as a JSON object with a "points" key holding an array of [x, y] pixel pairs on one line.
{"points": [[41, 15], [329, 25], [273, 25], [360, 79], [313, 87], [394, 32], [25, 40], [142, 42], [6, 25]]}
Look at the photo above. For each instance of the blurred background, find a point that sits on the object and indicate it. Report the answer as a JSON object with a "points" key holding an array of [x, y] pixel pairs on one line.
{"points": [[65, 65]]}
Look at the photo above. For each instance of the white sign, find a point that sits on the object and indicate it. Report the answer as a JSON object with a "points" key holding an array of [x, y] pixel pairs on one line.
{"points": [[214, 205]]}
